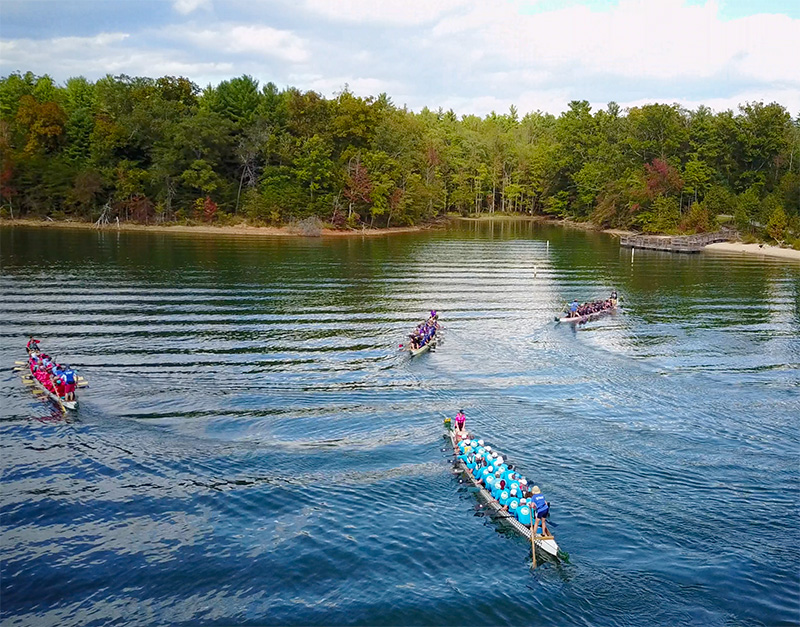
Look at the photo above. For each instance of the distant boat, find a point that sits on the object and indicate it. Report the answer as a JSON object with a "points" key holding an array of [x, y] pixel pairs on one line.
{"points": [[594, 314], [430, 341]]}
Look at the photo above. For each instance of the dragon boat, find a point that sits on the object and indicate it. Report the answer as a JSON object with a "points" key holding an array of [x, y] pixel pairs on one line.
{"points": [[518, 522], [433, 323], [589, 316]]}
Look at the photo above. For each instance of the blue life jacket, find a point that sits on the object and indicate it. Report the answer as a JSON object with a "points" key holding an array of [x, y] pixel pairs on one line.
{"points": [[70, 374]]}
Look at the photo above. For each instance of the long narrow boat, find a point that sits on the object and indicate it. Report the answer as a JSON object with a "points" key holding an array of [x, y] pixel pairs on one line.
{"points": [[27, 375], [587, 317], [418, 351], [431, 341], [545, 543]]}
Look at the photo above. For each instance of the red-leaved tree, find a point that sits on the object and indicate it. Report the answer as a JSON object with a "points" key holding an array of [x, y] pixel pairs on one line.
{"points": [[358, 187], [661, 179]]}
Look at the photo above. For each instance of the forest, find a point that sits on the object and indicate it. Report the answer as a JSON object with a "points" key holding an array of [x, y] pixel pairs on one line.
{"points": [[165, 150]]}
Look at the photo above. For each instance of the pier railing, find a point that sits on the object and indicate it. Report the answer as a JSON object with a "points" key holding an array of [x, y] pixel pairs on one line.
{"points": [[678, 243]]}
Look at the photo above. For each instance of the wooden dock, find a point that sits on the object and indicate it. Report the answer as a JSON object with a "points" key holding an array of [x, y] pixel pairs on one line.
{"points": [[677, 243]]}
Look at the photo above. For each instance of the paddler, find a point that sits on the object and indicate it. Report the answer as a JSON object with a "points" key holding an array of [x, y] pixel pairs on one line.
{"points": [[59, 381], [32, 345], [541, 508], [45, 377]]}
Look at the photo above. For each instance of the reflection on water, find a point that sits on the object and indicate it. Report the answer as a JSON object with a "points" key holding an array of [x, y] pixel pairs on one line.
{"points": [[254, 449]]}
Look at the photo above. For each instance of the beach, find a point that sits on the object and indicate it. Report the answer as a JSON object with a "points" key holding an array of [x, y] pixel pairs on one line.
{"points": [[234, 229], [764, 250]]}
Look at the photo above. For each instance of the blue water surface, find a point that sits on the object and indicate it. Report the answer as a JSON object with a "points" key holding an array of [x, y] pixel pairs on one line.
{"points": [[253, 449]]}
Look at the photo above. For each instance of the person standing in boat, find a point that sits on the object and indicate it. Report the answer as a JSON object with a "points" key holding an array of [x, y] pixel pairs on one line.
{"points": [[541, 508], [573, 308], [461, 421], [70, 379]]}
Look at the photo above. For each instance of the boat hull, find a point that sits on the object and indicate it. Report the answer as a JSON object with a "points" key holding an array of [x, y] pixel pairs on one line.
{"points": [[418, 351], [549, 546]]}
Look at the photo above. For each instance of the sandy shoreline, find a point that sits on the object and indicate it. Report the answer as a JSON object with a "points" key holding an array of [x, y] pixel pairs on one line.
{"points": [[764, 250], [237, 229]]}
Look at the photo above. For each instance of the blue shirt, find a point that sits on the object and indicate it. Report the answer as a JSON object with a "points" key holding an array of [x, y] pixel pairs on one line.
{"points": [[540, 503]]}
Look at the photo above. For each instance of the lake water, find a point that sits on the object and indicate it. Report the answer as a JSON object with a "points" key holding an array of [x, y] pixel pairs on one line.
{"points": [[253, 449]]}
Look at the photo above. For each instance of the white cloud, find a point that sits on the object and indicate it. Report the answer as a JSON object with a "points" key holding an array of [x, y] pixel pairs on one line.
{"points": [[550, 101], [237, 39], [789, 98], [405, 13], [327, 86], [105, 53], [769, 47], [653, 39], [470, 55], [184, 7]]}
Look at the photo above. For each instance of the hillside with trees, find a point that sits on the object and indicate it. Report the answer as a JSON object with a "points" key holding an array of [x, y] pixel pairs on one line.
{"points": [[164, 150]]}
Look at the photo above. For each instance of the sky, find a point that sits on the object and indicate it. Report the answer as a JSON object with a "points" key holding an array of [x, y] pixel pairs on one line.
{"points": [[472, 56]]}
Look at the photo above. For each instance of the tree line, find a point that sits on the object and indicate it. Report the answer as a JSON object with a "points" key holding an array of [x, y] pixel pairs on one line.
{"points": [[164, 150]]}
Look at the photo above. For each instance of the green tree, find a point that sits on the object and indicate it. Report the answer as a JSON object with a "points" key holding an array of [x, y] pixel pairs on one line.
{"points": [[777, 224]]}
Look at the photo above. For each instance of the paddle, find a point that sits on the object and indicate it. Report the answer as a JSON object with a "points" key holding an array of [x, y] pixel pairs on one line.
{"points": [[58, 397], [533, 543]]}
